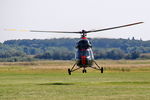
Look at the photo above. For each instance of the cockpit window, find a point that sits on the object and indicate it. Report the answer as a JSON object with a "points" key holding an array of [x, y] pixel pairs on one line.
{"points": [[88, 53], [83, 53]]}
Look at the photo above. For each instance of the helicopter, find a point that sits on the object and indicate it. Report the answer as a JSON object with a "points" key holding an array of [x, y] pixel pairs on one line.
{"points": [[84, 55]]}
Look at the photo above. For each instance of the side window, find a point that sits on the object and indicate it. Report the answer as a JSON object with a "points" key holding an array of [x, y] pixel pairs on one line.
{"points": [[77, 55], [91, 54]]}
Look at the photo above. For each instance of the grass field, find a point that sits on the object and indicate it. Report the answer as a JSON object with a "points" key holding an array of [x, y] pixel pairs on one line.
{"points": [[48, 80]]}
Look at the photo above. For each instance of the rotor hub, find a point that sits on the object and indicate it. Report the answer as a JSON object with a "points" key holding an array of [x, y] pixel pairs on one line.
{"points": [[84, 34]]}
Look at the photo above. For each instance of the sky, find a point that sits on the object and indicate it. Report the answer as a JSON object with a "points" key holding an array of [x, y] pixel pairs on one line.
{"points": [[73, 15]]}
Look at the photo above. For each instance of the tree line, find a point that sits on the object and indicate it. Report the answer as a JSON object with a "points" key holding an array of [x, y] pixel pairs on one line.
{"points": [[64, 49]]}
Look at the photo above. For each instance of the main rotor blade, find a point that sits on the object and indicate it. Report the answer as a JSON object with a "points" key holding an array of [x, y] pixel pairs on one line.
{"points": [[53, 31], [16, 30], [41, 31], [114, 27], [77, 32]]}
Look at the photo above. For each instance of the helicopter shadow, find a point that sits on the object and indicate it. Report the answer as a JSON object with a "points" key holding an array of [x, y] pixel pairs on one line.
{"points": [[57, 83]]}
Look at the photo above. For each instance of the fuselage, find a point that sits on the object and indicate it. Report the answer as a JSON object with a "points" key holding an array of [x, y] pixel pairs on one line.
{"points": [[84, 53]]}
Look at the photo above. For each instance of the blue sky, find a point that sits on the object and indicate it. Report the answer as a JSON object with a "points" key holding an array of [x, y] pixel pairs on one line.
{"points": [[74, 15]]}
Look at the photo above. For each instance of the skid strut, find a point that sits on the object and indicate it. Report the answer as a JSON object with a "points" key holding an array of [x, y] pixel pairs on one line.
{"points": [[72, 69], [98, 67]]}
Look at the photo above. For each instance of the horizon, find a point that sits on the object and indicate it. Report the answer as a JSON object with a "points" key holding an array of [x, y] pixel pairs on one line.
{"points": [[79, 38]]}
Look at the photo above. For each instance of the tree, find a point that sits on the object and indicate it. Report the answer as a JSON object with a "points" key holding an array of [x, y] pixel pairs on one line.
{"points": [[133, 55]]}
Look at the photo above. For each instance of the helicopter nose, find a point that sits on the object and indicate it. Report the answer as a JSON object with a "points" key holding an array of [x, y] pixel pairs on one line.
{"points": [[83, 60]]}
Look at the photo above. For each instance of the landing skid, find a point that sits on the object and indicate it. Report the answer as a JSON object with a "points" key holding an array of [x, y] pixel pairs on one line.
{"points": [[84, 70]]}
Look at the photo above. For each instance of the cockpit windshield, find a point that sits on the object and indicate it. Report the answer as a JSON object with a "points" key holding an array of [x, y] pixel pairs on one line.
{"points": [[83, 53], [87, 52]]}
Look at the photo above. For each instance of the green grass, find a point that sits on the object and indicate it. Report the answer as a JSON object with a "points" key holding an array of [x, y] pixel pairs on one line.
{"points": [[36, 81]]}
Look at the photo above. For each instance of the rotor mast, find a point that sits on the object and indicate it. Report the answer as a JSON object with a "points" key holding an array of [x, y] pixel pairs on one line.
{"points": [[83, 34]]}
